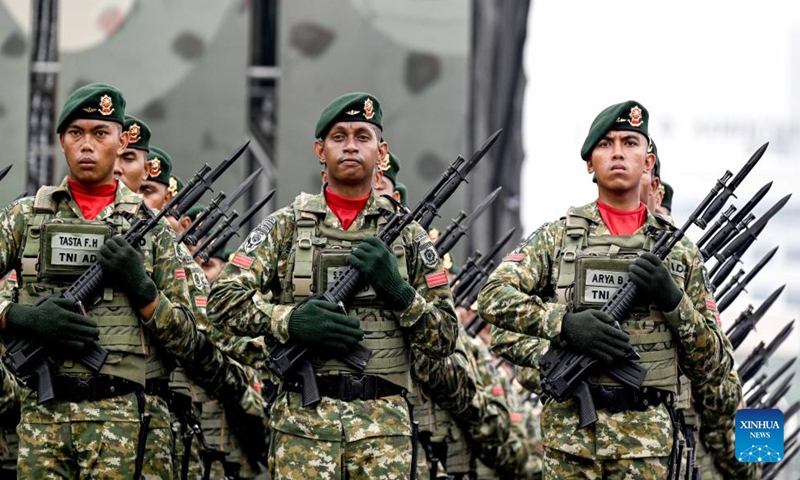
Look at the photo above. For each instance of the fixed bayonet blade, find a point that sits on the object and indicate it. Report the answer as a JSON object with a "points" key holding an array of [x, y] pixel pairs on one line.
{"points": [[4, 171], [244, 187], [751, 232], [734, 292]]}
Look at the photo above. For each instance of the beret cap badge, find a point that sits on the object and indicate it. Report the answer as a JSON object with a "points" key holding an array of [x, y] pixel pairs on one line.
{"points": [[155, 167], [105, 105], [635, 116], [385, 163], [134, 133], [173, 186], [369, 111]]}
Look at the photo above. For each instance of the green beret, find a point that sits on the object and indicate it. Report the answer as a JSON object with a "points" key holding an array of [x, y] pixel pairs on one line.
{"points": [[657, 167], [351, 107], [390, 167], [666, 202], [138, 133], [400, 187], [630, 115], [160, 166], [96, 101], [194, 211]]}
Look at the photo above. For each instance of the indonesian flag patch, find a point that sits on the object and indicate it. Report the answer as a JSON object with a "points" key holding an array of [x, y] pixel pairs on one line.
{"points": [[498, 391], [200, 301], [515, 416], [436, 279], [242, 261], [12, 277], [712, 305], [180, 273], [514, 257]]}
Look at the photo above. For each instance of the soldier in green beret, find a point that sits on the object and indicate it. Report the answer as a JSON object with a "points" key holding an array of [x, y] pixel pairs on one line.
{"points": [[361, 428], [131, 167], [156, 189], [91, 427], [386, 180], [651, 182], [553, 289], [665, 206]]}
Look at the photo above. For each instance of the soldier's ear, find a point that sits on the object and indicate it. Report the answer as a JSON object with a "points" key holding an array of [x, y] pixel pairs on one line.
{"points": [[123, 141], [589, 166], [649, 162], [319, 151]]}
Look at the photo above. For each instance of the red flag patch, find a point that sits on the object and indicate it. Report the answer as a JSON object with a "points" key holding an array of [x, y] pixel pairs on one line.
{"points": [[712, 305], [200, 301], [515, 416], [12, 276], [242, 261], [514, 257], [436, 279], [180, 273], [498, 391]]}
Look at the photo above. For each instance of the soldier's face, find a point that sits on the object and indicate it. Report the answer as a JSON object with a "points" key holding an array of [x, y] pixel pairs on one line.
{"points": [[619, 160], [131, 168], [212, 268], [154, 194], [91, 148], [351, 150], [384, 186]]}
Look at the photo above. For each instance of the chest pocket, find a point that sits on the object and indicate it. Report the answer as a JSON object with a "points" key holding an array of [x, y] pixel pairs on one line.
{"points": [[68, 247]]}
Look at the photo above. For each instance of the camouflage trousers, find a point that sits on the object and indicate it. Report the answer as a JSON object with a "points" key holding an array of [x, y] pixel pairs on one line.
{"points": [[294, 457], [560, 465], [96, 440]]}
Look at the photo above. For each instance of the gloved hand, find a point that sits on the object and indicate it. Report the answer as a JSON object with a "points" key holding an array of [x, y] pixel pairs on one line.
{"points": [[592, 332], [379, 266], [123, 265], [321, 325], [650, 275], [53, 322]]}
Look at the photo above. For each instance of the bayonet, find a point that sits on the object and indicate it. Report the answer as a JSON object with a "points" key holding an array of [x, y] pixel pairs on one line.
{"points": [[748, 319], [733, 222], [779, 392], [722, 220], [728, 189], [760, 354], [4, 172], [755, 397], [458, 228], [480, 266], [734, 292]]}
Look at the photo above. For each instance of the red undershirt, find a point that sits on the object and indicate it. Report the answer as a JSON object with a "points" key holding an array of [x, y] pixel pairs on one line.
{"points": [[345, 209], [92, 199], [620, 222]]}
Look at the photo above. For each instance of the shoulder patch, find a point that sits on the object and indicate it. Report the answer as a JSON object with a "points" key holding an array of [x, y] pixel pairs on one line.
{"points": [[429, 256], [242, 261], [259, 234], [200, 280], [436, 279], [529, 237], [422, 236], [180, 274], [514, 257], [712, 305]]}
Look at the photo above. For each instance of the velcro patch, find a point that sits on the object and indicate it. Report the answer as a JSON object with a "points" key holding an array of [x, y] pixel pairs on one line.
{"points": [[435, 279], [242, 261], [677, 268], [180, 273], [514, 257], [515, 417], [200, 301], [12, 276]]}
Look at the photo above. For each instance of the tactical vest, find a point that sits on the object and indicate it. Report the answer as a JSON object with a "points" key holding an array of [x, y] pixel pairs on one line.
{"points": [[55, 252], [318, 255], [592, 268]]}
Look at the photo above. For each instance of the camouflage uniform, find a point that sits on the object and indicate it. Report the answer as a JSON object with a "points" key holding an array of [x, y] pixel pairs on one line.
{"points": [[99, 437], [522, 296], [253, 299], [9, 416]]}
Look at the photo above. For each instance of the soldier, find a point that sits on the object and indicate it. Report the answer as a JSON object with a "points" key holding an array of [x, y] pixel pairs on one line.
{"points": [[665, 205], [386, 184], [361, 428], [158, 189], [93, 425], [132, 166], [546, 291]]}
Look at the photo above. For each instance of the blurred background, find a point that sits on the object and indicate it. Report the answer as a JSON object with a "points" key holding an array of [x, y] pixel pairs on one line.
{"points": [[719, 79]]}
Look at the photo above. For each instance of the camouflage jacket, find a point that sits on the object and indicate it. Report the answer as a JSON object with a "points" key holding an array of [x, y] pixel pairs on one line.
{"points": [[520, 296], [243, 307]]}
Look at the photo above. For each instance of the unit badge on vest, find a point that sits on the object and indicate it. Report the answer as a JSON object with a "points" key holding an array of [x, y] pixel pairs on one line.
{"points": [[429, 256], [368, 109], [259, 234], [134, 132], [105, 106]]}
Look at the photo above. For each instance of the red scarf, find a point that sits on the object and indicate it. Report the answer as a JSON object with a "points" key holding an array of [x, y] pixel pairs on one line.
{"points": [[345, 209], [91, 200], [620, 222]]}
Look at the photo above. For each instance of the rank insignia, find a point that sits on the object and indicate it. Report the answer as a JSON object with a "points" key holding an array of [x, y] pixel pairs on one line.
{"points": [[173, 186], [242, 261], [105, 106], [635, 117], [384, 164], [368, 109], [134, 132], [155, 167]]}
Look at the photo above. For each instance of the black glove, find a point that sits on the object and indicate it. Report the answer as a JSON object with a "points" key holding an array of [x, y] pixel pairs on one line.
{"points": [[379, 266], [53, 322], [592, 332], [124, 267], [321, 325], [655, 282]]}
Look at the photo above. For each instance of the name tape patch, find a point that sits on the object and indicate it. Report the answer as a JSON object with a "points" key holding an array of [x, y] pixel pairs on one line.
{"points": [[601, 285], [75, 249]]}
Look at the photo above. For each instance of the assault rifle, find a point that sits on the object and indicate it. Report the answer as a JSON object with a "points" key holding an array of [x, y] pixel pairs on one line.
{"points": [[730, 293], [25, 356], [217, 239], [563, 370], [481, 267], [748, 318], [292, 358], [215, 211], [760, 354]]}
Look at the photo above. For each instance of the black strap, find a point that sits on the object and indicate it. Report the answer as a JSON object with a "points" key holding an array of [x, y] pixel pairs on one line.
{"points": [[621, 399], [79, 388], [350, 387]]}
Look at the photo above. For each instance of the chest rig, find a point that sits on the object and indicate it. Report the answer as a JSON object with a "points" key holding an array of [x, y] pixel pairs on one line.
{"points": [[56, 250], [317, 257], [592, 268]]}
